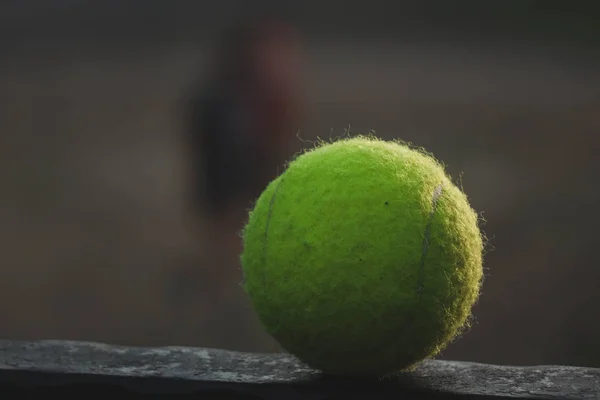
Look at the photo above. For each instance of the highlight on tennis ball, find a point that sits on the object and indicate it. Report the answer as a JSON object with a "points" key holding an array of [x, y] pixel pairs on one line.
{"points": [[363, 258]]}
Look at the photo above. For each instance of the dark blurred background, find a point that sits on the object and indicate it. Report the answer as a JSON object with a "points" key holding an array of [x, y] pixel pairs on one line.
{"points": [[116, 227]]}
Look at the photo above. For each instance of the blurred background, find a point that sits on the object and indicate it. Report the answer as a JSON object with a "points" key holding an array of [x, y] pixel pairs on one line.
{"points": [[135, 135]]}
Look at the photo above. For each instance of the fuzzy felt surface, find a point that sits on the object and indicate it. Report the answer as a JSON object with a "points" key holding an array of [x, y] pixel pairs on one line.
{"points": [[363, 257]]}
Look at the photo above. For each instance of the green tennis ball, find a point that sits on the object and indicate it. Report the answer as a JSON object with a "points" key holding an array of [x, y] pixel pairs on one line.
{"points": [[362, 258]]}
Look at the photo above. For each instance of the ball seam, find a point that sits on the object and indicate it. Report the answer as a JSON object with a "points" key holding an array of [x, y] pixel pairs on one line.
{"points": [[267, 226], [426, 236]]}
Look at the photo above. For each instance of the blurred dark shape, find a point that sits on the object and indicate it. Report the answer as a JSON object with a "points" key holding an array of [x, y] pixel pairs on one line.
{"points": [[242, 117], [240, 120]]}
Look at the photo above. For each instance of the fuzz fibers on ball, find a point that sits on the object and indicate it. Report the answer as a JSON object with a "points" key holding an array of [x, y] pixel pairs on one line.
{"points": [[363, 258]]}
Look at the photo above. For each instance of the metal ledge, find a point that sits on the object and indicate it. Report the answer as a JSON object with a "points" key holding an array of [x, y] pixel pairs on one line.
{"points": [[60, 365]]}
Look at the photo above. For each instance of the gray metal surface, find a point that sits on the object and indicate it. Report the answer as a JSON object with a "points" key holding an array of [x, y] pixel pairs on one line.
{"points": [[186, 370]]}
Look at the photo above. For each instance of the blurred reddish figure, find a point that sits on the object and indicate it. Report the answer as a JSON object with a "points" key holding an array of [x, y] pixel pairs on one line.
{"points": [[244, 116], [242, 123]]}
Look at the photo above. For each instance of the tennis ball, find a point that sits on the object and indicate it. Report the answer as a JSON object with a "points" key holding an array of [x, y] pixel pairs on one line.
{"points": [[362, 258]]}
